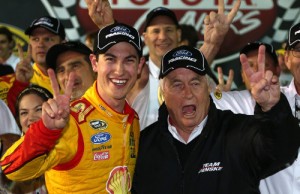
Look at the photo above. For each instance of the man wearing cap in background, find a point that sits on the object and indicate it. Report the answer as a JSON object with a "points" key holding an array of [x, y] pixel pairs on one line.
{"points": [[72, 57], [161, 34], [242, 101], [44, 32], [287, 180], [90, 147], [196, 148]]}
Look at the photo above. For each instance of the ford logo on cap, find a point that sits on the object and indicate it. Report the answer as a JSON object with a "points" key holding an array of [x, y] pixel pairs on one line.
{"points": [[182, 53], [120, 28], [100, 138]]}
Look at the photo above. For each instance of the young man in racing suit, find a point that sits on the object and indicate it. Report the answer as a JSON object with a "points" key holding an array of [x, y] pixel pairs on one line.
{"points": [[94, 148]]}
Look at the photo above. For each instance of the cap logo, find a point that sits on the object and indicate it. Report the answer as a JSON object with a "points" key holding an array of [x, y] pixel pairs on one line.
{"points": [[182, 55], [119, 30], [44, 21], [297, 32]]}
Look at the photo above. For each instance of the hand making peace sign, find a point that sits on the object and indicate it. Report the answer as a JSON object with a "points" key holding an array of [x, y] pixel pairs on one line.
{"points": [[56, 111], [265, 87], [218, 24]]}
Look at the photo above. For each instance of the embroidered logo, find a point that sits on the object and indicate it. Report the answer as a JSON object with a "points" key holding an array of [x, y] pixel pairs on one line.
{"points": [[218, 94], [211, 167], [119, 180], [98, 124], [101, 156], [100, 138]]}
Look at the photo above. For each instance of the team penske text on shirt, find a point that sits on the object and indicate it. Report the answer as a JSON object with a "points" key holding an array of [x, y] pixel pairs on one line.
{"points": [[210, 167]]}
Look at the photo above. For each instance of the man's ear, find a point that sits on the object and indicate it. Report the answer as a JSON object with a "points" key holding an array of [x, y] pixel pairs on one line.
{"points": [[94, 62], [287, 59]]}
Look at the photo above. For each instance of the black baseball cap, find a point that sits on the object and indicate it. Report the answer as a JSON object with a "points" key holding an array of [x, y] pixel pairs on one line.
{"points": [[58, 49], [185, 57], [251, 46], [293, 36], [49, 23], [160, 11], [115, 33]]}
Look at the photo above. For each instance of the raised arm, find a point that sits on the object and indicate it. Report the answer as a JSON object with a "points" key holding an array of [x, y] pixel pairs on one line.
{"points": [[216, 26]]}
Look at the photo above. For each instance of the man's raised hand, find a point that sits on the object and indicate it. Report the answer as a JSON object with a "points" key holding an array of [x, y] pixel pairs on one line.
{"points": [[56, 111], [100, 12], [265, 87]]}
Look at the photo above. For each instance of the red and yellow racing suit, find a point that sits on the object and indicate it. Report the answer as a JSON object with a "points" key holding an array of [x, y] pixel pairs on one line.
{"points": [[95, 153], [39, 78]]}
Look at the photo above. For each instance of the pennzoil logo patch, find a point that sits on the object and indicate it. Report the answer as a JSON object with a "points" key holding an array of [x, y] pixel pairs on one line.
{"points": [[98, 124], [218, 94]]}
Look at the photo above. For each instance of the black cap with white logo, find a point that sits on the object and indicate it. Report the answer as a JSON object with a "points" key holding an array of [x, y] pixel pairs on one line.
{"points": [[185, 57], [252, 46], [49, 23], [293, 37], [115, 33]]}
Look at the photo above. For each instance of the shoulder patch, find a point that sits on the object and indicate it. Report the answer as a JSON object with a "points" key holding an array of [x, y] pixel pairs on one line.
{"points": [[80, 109], [218, 94]]}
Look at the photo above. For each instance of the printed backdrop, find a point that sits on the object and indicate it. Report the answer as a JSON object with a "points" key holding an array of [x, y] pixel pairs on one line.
{"points": [[267, 20]]}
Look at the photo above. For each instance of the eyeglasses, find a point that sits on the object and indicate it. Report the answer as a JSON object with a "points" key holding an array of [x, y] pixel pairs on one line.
{"points": [[296, 52]]}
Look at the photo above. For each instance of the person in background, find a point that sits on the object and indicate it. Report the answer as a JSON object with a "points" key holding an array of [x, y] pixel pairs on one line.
{"points": [[196, 148], [9, 130], [241, 101], [90, 146], [7, 44], [251, 51], [287, 180], [162, 33], [72, 57], [28, 111], [7, 77], [9, 133], [285, 75], [283, 181], [43, 32], [189, 35]]}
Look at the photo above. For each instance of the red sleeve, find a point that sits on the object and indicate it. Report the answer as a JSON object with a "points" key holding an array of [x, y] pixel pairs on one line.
{"points": [[13, 93], [37, 141]]}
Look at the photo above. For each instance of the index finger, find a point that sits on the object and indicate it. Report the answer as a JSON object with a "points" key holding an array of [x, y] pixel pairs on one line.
{"points": [[28, 56], [261, 59], [220, 75], [234, 10], [20, 52], [221, 7], [70, 83], [54, 83]]}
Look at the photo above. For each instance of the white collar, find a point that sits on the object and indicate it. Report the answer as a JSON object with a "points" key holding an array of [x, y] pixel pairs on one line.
{"points": [[154, 70], [195, 133]]}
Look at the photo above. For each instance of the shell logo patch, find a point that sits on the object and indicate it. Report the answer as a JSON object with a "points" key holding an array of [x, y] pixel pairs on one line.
{"points": [[119, 181]]}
